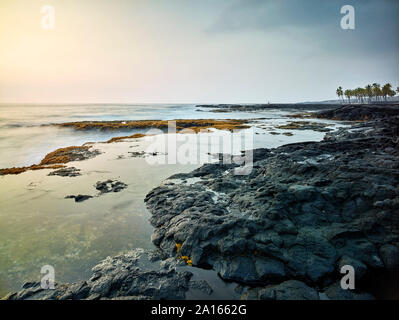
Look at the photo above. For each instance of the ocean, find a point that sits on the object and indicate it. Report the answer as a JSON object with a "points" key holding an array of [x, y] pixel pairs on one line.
{"points": [[39, 226], [25, 141]]}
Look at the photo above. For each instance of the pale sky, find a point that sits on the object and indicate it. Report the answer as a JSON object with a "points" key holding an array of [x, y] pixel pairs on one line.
{"points": [[191, 51]]}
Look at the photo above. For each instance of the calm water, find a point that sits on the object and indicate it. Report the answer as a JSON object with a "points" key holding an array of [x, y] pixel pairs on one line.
{"points": [[39, 226], [23, 141]]}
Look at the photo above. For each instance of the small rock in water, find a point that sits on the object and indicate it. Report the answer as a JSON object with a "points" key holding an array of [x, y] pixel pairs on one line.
{"points": [[110, 186], [66, 172], [79, 198]]}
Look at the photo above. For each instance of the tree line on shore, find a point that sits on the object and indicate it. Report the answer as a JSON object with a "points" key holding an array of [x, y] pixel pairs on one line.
{"points": [[370, 93]]}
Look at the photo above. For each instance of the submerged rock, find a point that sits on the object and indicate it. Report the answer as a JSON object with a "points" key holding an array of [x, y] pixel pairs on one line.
{"points": [[79, 198], [66, 172], [136, 275], [110, 186]]}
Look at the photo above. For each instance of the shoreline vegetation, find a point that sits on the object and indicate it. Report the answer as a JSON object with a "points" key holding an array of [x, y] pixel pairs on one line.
{"points": [[368, 94], [282, 232], [56, 159], [195, 125], [53, 160]]}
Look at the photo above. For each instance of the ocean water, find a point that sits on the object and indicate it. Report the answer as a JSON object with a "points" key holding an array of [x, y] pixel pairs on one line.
{"points": [[25, 141], [38, 226]]}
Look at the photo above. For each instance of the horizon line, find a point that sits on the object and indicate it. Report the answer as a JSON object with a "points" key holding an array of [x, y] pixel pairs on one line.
{"points": [[160, 103]]}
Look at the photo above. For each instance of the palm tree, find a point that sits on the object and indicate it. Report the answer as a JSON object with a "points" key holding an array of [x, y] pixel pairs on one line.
{"points": [[356, 93], [385, 90], [360, 94], [369, 92], [340, 93], [363, 94], [377, 91], [348, 94]]}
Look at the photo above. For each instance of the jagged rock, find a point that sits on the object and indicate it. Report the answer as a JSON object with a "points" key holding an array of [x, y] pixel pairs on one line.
{"points": [[303, 211], [390, 256], [288, 290], [287, 227], [359, 267], [201, 285], [335, 292], [135, 275]]}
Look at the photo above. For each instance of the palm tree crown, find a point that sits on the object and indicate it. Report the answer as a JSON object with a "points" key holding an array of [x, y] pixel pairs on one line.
{"points": [[374, 91]]}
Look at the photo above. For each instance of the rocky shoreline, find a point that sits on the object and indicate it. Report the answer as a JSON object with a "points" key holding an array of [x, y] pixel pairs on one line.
{"points": [[57, 158], [259, 107], [281, 232]]}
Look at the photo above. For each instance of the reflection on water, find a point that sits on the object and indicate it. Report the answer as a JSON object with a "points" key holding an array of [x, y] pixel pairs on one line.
{"points": [[38, 226], [23, 141]]}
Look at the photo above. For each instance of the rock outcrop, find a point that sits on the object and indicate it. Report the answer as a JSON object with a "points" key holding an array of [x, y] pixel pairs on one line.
{"points": [[282, 232], [305, 210]]}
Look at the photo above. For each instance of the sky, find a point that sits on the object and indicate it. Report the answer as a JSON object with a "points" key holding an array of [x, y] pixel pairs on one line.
{"points": [[190, 51]]}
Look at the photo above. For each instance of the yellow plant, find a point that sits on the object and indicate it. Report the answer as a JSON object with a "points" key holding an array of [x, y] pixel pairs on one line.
{"points": [[185, 258]]}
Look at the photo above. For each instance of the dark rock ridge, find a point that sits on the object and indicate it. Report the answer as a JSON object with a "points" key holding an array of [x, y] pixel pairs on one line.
{"points": [[360, 112], [306, 125], [257, 107], [305, 210]]}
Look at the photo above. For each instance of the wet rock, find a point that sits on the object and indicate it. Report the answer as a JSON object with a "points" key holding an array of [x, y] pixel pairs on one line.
{"points": [[288, 290], [305, 210], [302, 193], [134, 275], [143, 154], [306, 125], [390, 256], [201, 285], [79, 198], [238, 268], [335, 292], [269, 269], [66, 172], [110, 186], [359, 267], [360, 112]]}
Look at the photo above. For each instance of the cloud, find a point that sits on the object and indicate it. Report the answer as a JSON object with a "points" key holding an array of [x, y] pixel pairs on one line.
{"points": [[377, 23]]}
